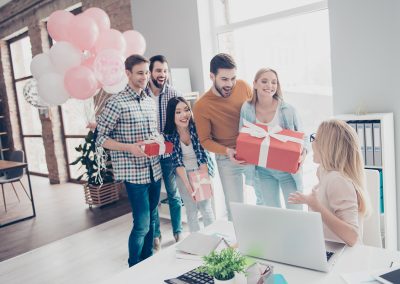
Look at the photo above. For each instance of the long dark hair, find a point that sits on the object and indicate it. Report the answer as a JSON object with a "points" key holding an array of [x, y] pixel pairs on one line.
{"points": [[170, 126]]}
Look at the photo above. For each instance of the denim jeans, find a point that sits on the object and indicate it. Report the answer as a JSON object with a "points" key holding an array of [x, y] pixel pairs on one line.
{"points": [[174, 199], [268, 183], [144, 199], [232, 177], [192, 208]]}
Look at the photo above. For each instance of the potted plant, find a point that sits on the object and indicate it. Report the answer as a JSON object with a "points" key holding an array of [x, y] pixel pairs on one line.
{"points": [[223, 265], [100, 187]]}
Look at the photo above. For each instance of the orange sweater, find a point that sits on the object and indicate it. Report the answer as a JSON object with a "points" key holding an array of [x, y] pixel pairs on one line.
{"points": [[217, 118]]}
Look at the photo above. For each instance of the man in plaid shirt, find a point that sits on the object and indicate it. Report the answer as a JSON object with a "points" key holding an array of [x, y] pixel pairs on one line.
{"points": [[161, 92], [128, 118]]}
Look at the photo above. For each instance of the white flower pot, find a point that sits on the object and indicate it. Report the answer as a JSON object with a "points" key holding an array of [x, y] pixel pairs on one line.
{"points": [[230, 281]]}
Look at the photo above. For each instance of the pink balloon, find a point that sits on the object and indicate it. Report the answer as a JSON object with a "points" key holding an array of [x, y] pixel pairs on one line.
{"points": [[58, 23], [88, 59], [109, 67], [111, 39], [80, 82], [83, 32], [135, 43], [101, 17]]}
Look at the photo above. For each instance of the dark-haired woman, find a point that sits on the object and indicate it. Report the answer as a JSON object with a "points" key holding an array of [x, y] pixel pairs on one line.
{"points": [[188, 155]]}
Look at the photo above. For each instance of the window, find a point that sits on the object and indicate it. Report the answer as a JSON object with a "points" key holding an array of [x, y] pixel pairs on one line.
{"points": [[290, 36], [74, 121], [31, 126], [239, 10]]}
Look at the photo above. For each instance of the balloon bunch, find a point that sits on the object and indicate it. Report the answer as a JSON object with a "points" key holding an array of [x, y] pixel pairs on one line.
{"points": [[87, 55]]}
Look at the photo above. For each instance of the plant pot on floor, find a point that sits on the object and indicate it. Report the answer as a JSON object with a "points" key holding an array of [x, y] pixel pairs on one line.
{"points": [[102, 194]]}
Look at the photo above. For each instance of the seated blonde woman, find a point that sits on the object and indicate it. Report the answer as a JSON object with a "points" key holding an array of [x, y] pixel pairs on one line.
{"points": [[340, 195]]}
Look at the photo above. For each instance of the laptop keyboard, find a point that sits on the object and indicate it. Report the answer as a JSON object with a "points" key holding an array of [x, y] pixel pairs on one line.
{"points": [[329, 254], [192, 277]]}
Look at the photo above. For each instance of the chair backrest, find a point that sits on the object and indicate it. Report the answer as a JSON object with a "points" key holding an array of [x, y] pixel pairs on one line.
{"points": [[371, 230], [16, 156]]}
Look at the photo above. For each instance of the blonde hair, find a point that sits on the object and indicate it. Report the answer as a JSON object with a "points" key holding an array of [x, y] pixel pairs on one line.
{"points": [[278, 95], [339, 150]]}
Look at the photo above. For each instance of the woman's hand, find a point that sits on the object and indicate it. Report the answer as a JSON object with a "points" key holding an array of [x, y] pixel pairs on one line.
{"points": [[203, 168], [310, 199], [302, 157]]}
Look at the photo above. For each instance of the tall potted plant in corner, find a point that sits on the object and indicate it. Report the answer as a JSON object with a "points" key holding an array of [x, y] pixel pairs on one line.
{"points": [[100, 187], [223, 265]]}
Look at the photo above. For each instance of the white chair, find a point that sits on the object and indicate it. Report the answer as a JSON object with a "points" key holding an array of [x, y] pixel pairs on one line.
{"points": [[371, 230]]}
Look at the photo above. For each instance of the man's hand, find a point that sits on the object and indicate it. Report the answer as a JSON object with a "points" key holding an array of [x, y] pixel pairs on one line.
{"points": [[136, 150], [231, 155]]}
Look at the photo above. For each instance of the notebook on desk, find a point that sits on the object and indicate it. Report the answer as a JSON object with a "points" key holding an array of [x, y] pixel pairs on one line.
{"points": [[190, 247], [283, 235]]}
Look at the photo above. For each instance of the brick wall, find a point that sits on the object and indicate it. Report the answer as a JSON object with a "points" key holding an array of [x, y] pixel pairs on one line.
{"points": [[17, 16]]}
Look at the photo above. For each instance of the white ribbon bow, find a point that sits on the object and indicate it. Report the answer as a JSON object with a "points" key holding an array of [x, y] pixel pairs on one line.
{"points": [[101, 160], [159, 139], [196, 185], [258, 132]]}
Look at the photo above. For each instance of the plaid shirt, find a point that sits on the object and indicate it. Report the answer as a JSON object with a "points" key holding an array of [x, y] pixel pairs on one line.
{"points": [[165, 95], [129, 118], [203, 157]]}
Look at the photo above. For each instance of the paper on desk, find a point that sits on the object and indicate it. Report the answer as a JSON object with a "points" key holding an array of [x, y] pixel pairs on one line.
{"points": [[359, 277]]}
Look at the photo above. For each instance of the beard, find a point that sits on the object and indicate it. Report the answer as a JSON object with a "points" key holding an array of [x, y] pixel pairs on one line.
{"points": [[221, 90], [158, 85]]}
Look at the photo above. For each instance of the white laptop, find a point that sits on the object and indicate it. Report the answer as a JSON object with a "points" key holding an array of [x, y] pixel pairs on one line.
{"points": [[283, 235]]}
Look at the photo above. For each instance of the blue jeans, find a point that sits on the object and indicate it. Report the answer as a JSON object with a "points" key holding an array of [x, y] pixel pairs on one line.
{"points": [[174, 199], [144, 200], [268, 183], [232, 177], [192, 208]]}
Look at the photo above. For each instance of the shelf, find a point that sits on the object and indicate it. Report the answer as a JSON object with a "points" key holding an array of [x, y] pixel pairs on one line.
{"points": [[5, 149], [388, 178], [3, 133]]}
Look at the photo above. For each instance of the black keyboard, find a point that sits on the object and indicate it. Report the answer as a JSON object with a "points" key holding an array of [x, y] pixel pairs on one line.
{"points": [[192, 277], [329, 254]]}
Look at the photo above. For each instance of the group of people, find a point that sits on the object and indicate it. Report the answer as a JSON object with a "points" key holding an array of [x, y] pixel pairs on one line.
{"points": [[149, 106]]}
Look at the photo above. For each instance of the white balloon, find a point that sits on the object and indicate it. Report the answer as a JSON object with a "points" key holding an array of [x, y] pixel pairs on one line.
{"points": [[114, 89], [31, 94], [64, 56], [51, 89], [40, 65]]}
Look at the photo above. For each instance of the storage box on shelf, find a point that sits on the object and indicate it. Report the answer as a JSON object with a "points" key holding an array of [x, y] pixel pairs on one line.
{"points": [[376, 133]]}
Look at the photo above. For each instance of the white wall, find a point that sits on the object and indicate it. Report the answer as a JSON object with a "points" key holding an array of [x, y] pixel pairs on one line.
{"points": [[365, 50], [171, 28]]}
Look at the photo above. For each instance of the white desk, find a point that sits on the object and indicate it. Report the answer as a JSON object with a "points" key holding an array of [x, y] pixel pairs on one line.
{"points": [[164, 265]]}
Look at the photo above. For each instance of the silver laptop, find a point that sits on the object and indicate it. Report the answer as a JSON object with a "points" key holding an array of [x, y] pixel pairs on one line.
{"points": [[283, 235]]}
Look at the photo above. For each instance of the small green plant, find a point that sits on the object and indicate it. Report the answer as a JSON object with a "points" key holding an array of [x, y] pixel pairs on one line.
{"points": [[223, 265], [87, 158]]}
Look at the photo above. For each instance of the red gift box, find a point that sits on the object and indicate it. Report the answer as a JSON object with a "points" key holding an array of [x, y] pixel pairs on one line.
{"points": [[153, 148], [201, 184], [273, 148]]}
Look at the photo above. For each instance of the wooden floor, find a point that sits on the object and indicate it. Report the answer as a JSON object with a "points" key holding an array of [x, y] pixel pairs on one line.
{"points": [[90, 256], [61, 211]]}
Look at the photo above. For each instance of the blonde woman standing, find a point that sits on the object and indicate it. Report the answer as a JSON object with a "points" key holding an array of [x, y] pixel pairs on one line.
{"points": [[268, 107], [340, 195]]}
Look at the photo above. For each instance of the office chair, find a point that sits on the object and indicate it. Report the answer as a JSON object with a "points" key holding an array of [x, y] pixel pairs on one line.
{"points": [[14, 175], [371, 229]]}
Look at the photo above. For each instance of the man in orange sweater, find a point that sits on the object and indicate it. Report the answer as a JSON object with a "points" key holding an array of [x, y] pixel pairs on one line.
{"points": [[217, 115]]}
